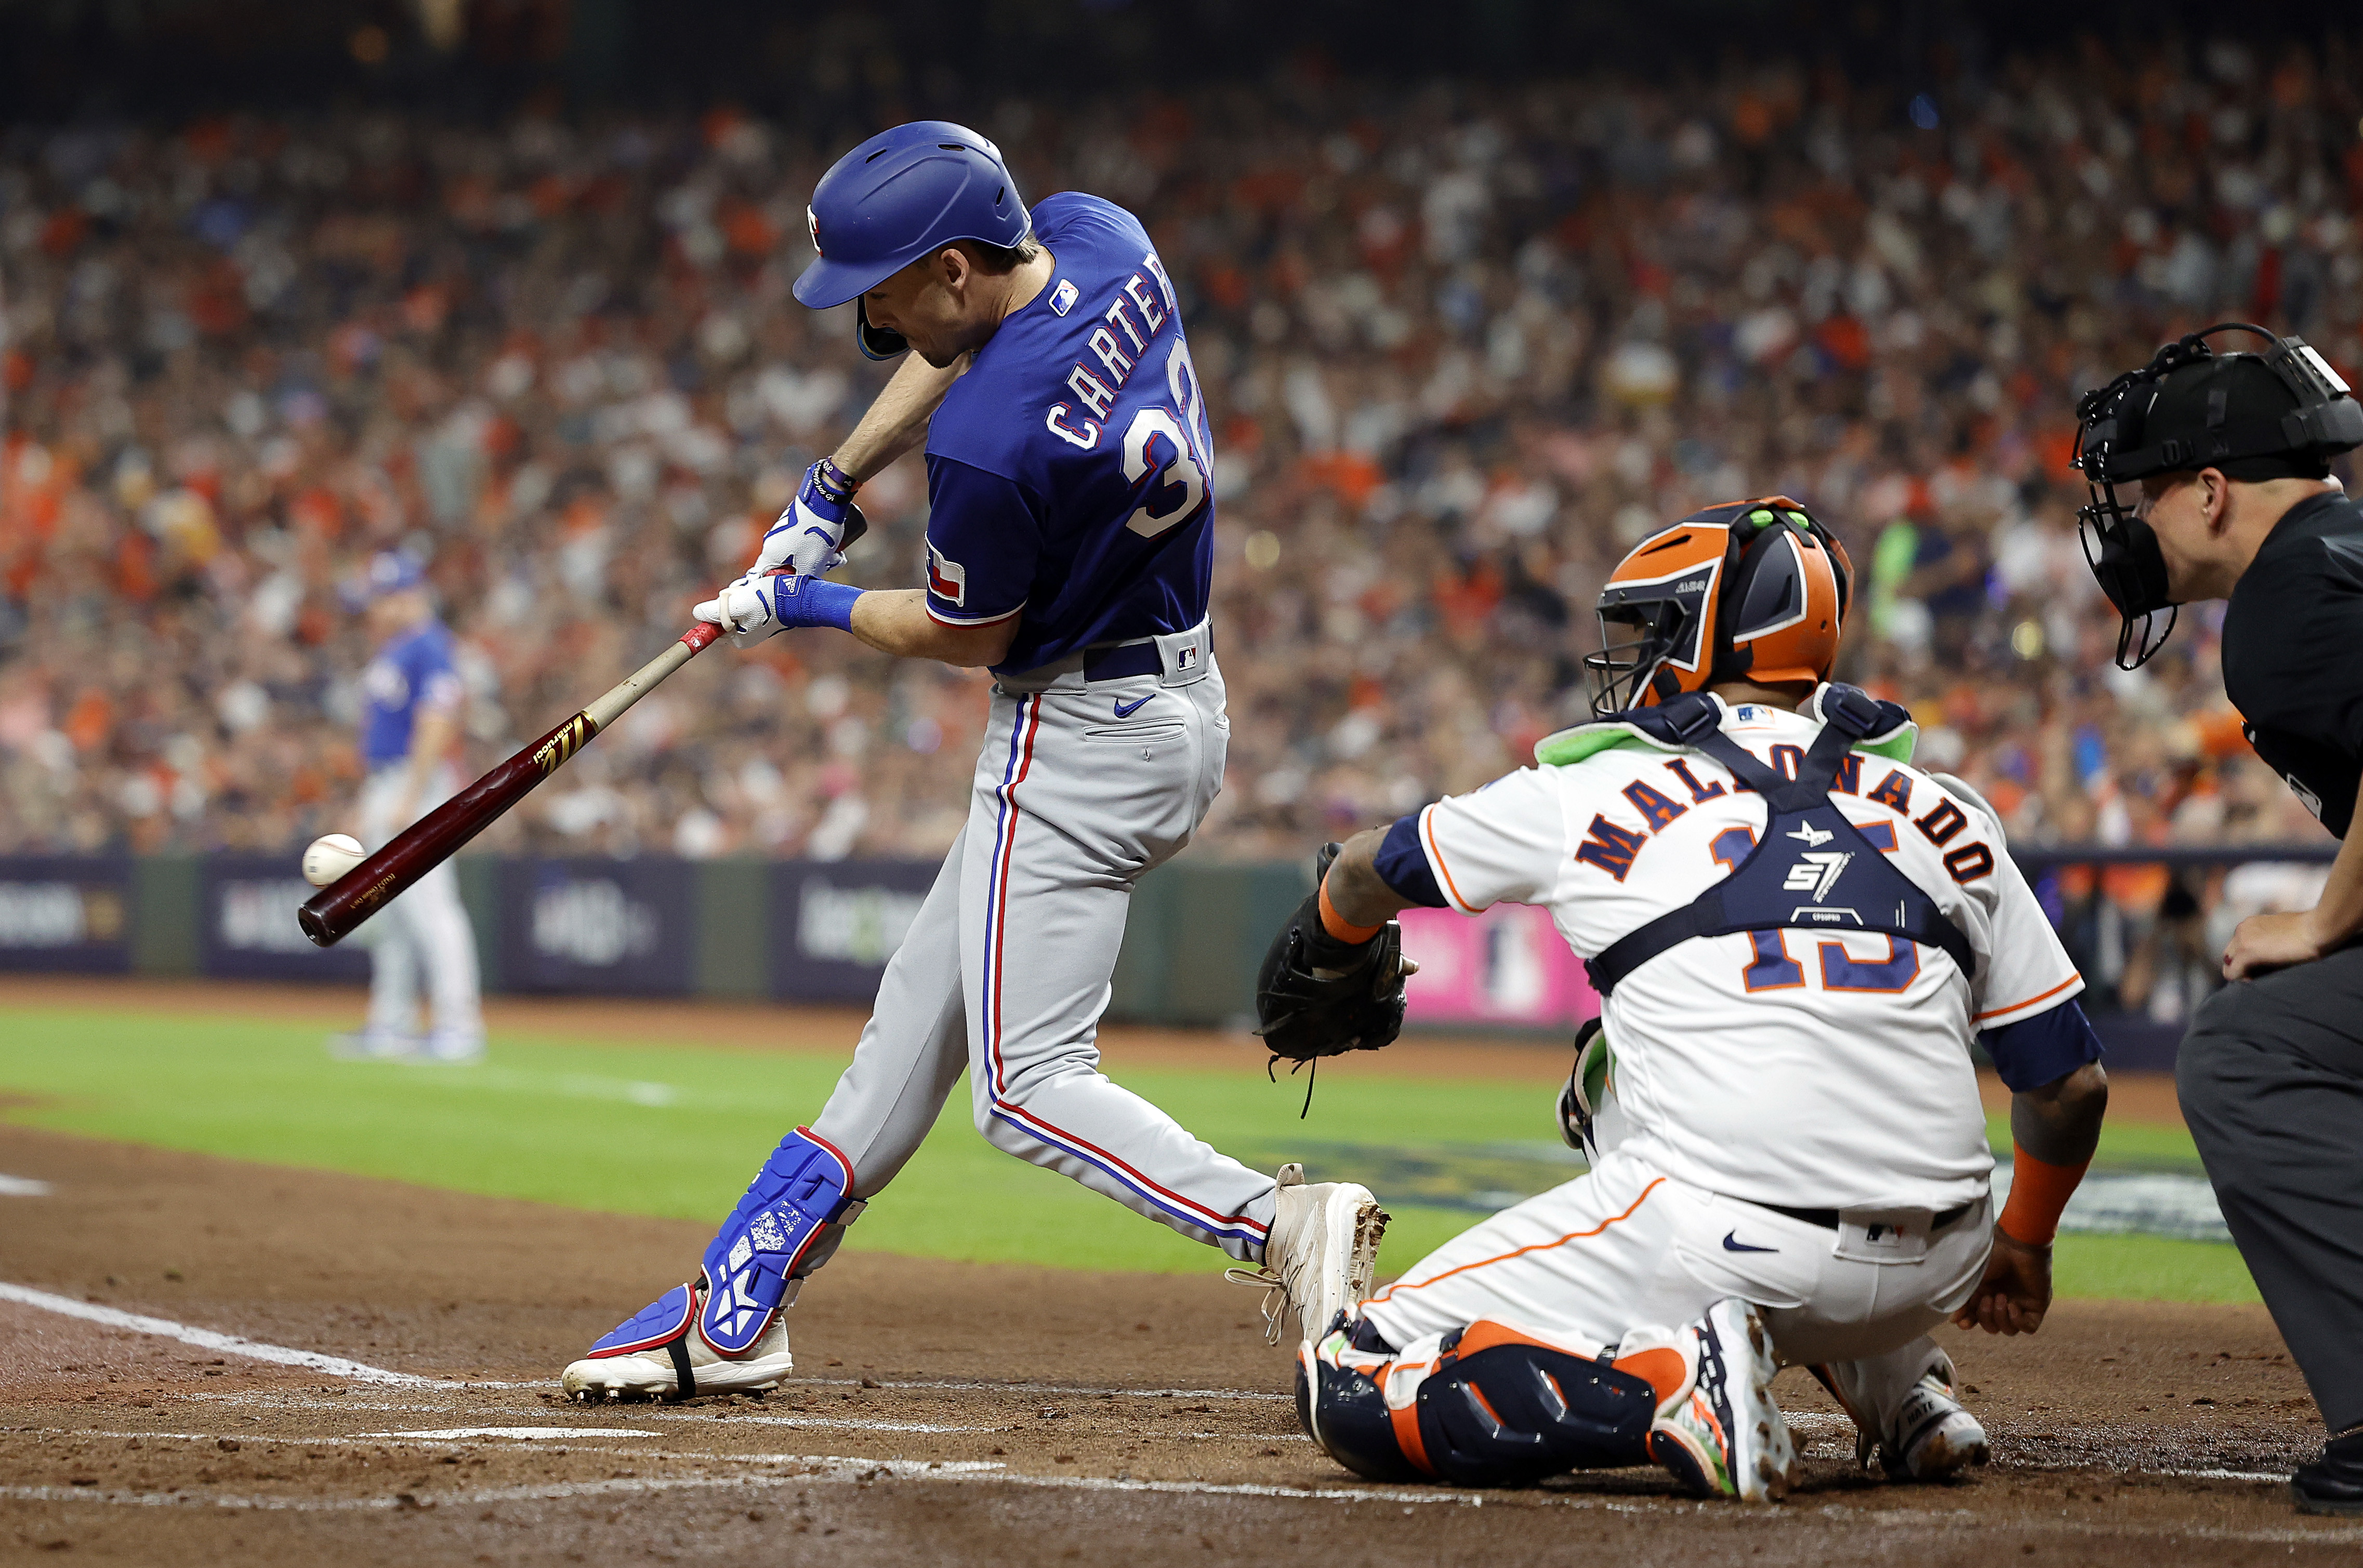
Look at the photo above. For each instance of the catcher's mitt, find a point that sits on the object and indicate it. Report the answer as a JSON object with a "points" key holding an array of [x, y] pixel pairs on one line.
{"points": [[1316, 995]]}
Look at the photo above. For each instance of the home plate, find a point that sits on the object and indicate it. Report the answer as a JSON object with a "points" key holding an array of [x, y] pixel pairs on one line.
{"points": [[527, 1433]]}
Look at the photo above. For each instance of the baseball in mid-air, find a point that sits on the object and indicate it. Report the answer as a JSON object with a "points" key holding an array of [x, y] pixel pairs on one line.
{"points": [[331, 855]]}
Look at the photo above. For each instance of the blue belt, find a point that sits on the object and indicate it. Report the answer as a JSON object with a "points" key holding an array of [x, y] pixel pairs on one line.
{"points": [[1125, 660]]}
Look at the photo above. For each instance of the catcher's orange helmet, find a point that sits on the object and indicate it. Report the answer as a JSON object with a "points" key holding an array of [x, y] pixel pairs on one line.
{"points": [[1752, 589]]}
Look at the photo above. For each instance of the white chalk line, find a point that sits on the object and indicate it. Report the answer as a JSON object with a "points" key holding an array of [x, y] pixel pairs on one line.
{"points": [[839, 1468], [24, 1187], [206, 1338]]}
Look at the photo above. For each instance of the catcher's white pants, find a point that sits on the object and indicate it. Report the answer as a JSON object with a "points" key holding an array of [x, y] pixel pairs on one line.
{"points": [[1629, 1244], [423, 935], [1081, 788]]}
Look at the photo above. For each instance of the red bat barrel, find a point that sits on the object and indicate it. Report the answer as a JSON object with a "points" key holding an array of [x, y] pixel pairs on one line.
{"points": [[332, 913]]}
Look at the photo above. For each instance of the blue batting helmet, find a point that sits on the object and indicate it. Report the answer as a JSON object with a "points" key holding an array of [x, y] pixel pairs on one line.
{"points": [[902, 194]]}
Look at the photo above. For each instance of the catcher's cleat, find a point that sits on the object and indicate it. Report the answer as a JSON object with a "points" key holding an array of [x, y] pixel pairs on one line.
{"points": [[1718, 1431], [659, 1353], [1321, 1256], [1922, 1433]]}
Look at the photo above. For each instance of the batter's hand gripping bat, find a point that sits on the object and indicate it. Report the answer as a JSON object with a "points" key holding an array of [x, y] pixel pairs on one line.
{"points": [[338, 909]]}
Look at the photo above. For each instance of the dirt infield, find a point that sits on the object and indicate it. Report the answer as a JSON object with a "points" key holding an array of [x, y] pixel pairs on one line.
{"points": [[943, 1411]]}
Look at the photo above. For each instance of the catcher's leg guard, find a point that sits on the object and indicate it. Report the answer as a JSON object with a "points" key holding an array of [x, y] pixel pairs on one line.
{"points": [[1483, 1406]]}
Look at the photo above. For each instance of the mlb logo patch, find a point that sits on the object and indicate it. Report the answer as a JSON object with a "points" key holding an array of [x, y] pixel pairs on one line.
{"points": [[1063, 297], [947, 579], [1186, 657]]}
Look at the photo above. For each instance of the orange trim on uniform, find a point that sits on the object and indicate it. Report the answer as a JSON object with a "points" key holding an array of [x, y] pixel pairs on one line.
{"points": [[1388, 1294], [1998, 1011], [1405, 1421], [1435, 858]]}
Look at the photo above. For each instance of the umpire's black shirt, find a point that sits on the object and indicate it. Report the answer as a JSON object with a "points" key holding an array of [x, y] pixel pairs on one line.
{"points": [[2293, 653]]}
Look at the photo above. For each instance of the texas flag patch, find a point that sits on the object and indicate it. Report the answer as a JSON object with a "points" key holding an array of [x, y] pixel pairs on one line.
{"points": [[947, 579]]}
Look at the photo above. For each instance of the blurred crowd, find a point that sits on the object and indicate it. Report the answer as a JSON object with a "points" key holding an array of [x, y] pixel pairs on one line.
{"points": [[1461, 346]]}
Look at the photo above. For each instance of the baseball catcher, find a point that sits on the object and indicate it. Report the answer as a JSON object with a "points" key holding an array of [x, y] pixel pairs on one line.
{"points": [[1797, 935]]}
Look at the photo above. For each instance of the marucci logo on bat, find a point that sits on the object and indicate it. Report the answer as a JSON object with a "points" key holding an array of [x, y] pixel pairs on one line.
{"points": [[565, 743]]}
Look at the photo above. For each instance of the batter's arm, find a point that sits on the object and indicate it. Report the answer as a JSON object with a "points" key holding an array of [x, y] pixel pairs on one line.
{"points": [[895, 621], [898, 421]]}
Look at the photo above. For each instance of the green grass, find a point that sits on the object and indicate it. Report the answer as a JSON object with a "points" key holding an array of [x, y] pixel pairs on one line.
{"points": [[677, 1131]]}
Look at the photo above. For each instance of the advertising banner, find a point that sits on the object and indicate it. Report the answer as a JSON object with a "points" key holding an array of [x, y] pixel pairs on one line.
{"points": [[246, 909], [65, 914], [611, 927], [1508, 967], [836, 923]]}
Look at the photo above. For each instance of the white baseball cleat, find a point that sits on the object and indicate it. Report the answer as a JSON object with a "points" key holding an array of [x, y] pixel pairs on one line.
{"points": [[1723, 1436], [1322, 1253], [1919, 1433], [680, 1366], [450, 1048], [374, 1046]]}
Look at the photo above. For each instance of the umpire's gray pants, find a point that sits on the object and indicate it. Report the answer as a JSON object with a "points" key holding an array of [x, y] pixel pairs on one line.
{"points": [[2272, 1081]]}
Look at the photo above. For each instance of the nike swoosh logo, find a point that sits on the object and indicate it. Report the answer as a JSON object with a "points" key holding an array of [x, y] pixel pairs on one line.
{"points": [[1126, 710], [1732, 1244]]}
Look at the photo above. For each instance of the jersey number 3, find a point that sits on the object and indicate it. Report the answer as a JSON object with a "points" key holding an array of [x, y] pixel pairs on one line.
{"points": [[1770, 968], [1141, 454]]}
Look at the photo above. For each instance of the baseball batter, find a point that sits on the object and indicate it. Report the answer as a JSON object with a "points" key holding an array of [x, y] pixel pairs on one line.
{"points": [[411, 699], [1798, 935], [1069, 548]]}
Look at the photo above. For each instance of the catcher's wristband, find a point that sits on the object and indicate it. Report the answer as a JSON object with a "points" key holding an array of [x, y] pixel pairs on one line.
{"points": [[2039, 1191], [1341, 928]]}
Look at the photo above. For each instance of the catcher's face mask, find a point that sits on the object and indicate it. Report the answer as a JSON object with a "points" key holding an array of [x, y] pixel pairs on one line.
{"points": [[2282, 413]]}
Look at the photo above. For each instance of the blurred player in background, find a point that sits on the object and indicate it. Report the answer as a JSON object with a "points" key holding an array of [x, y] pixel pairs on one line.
{"points": [[1070, 550], [411, 700], [1798, 936]]}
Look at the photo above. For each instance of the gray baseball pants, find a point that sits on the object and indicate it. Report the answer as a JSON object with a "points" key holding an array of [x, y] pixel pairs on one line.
{"points": [[1081, 788], [2271, 1082]]}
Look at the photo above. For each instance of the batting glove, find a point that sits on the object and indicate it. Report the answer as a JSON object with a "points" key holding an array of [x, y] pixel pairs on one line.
{"points": [[754, 608], [809, 537]]}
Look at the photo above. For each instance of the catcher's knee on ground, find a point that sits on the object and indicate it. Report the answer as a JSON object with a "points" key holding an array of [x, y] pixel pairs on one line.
{"points": [[1483, 1406]]}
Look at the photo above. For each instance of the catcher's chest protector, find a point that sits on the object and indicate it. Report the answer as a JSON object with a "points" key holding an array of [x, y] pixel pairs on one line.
{"points": [[1812, 869]]}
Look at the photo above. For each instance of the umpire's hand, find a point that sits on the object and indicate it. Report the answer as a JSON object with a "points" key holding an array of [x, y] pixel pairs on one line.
{"points": [[2016, 1292], [2266, 941]]}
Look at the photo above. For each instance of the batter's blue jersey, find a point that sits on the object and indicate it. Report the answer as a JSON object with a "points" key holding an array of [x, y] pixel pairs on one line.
{"points": [[1069, 471], [414, 672]]}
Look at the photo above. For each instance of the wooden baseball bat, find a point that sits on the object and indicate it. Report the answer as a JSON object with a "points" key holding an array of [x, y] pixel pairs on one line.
{"points": [[335, 910]]}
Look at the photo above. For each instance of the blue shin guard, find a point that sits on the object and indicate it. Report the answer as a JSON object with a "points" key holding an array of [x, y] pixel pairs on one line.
{"points": [[803, 1191], [786, 1225]]}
